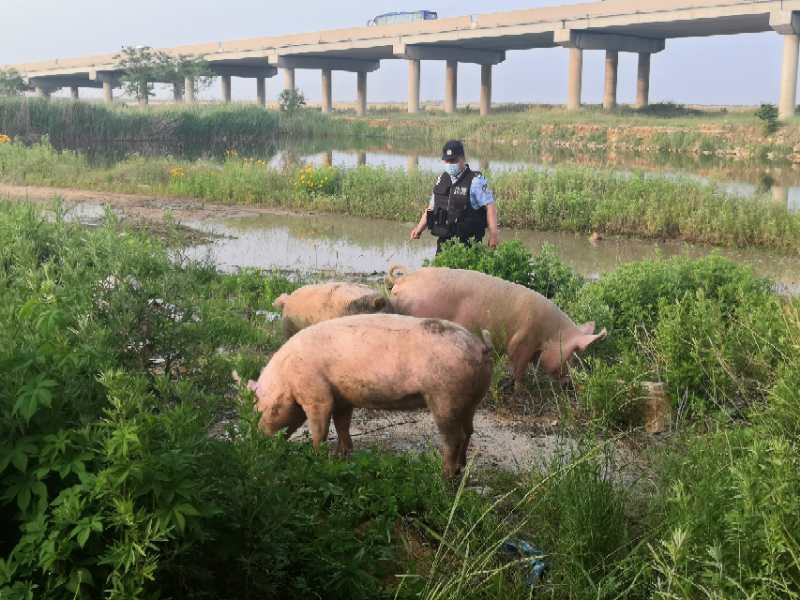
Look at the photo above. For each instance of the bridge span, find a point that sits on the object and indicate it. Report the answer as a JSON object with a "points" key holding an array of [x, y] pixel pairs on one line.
{"points": [[612, 26]]}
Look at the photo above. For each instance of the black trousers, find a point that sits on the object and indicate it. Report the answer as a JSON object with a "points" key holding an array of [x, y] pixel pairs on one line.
{"points": [[466, 240]]}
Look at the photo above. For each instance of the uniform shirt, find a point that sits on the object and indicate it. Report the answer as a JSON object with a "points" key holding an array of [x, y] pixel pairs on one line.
{"points": [[479, 193]]}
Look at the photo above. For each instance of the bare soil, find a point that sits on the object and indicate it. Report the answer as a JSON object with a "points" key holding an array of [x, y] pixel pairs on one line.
{"points": [[149, 208]]}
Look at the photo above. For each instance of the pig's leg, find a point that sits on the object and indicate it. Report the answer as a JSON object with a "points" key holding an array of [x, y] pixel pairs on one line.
{"points": [[521, 355], [452, 431], [317, 402], [342, 415], [468, 430]]}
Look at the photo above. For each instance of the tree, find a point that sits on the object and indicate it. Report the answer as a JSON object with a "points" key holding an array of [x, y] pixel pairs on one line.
{"points": [[140, 66], [291, 101], [12, 83], [177, 69]]}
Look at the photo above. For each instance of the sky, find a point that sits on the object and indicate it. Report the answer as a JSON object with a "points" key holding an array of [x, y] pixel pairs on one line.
{"points": [[731, 70]]}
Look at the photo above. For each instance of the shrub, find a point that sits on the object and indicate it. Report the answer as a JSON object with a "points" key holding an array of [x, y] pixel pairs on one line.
{"points": [[731, 517], [768, 114], [290, 101], [116, 365], [512, 261], [314, 181], [627, 300]]}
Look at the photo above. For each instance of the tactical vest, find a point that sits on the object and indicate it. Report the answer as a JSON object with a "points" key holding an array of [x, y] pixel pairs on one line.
{"points": [[452, 213]]}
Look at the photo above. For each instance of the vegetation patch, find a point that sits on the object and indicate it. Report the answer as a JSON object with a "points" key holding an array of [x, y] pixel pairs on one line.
{"points": [[564, 199], [130, 467]]}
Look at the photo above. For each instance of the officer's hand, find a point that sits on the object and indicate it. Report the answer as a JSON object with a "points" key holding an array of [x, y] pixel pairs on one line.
{"points": [[494, 237], [416, 233]]}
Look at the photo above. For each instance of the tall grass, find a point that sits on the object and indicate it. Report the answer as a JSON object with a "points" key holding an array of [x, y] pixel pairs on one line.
{"points": [[565, 199], [665, 130], [192, 129]]}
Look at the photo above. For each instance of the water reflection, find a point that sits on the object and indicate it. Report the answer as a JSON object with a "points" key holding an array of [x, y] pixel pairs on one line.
{"points": [[742, 178], [348, 244]]}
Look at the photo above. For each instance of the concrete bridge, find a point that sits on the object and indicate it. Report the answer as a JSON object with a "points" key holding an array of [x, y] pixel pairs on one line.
{"points": [[613, 26]]}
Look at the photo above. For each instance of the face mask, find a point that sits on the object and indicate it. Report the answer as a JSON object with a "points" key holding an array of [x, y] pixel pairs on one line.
{"points": [[452, 169]]}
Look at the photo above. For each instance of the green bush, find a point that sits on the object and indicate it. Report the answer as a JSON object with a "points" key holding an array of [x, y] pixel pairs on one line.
{"points": [[317, 181], [125, 470], [731, 517], [512, 261], [768, 114], [627, 300], [713, 354], [290, 101]]}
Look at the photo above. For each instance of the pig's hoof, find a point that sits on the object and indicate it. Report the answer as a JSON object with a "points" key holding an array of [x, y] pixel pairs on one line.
{"points": [[343, 453]]}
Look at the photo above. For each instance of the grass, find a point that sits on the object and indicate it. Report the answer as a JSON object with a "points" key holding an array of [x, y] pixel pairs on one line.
{"points": [[132, 468], [563, 199], [191, 130], [662, 129]]}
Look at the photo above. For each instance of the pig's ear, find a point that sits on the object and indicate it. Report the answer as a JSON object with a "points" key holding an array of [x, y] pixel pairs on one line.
{"points": [[583, 341], [280, 301], [587, 328], [379, 303]]}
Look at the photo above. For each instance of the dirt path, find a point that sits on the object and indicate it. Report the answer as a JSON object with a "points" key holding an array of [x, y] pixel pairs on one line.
{"points": [[141, 206], [500, 442]]}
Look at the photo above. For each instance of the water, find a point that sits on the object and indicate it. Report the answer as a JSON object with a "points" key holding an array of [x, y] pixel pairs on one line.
{"points": [[778, 182], [353, 245], [781, 183]]}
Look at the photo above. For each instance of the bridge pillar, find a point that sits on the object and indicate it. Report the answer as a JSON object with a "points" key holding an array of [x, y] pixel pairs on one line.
{"points": [[188, 90], [413, 85], [643, 81], [612, 67], [226, 88], [75, 92], [451, 86], [788, 101], [177, 91], [327, 90], [261, 91], [361, 88], [108, 91], [575, 83], [361, 159], [288, 78], [486, 89]]}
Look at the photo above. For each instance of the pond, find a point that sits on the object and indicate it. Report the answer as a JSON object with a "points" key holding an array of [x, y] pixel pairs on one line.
{"points": [[341, 244]]}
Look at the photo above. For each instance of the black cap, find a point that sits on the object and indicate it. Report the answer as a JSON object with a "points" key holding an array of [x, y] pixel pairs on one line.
{"points": [[452, 150]]}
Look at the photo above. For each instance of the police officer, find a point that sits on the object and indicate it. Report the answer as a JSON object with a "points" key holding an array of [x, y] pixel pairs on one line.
{"points": [[462, 205]]}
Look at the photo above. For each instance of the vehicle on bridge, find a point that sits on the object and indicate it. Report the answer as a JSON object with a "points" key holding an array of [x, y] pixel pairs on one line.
{"points": [[394, 18]]}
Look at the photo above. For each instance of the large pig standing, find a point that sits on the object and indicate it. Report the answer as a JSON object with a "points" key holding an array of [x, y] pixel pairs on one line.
{"points": [[388, 362], [528, 325], [314, 303]]}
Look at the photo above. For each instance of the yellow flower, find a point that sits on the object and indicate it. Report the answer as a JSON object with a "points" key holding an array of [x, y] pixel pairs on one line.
{"points": [[4, 139]]}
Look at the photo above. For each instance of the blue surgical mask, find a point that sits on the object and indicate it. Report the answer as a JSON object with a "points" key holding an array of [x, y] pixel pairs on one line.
{"points": [[452, 169]]}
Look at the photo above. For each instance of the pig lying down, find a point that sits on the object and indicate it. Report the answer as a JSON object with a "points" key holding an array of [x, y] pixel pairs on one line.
{"points": [[388, 362], [314, 303], [528, 325]]}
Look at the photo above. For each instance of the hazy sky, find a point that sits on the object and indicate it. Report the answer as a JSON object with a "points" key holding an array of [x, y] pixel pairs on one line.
{"points": [[742, 69]]}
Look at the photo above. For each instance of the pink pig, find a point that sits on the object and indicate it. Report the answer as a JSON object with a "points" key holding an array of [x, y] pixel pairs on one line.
{"points": [[529, 325], [314, 303], [387, 362]]}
